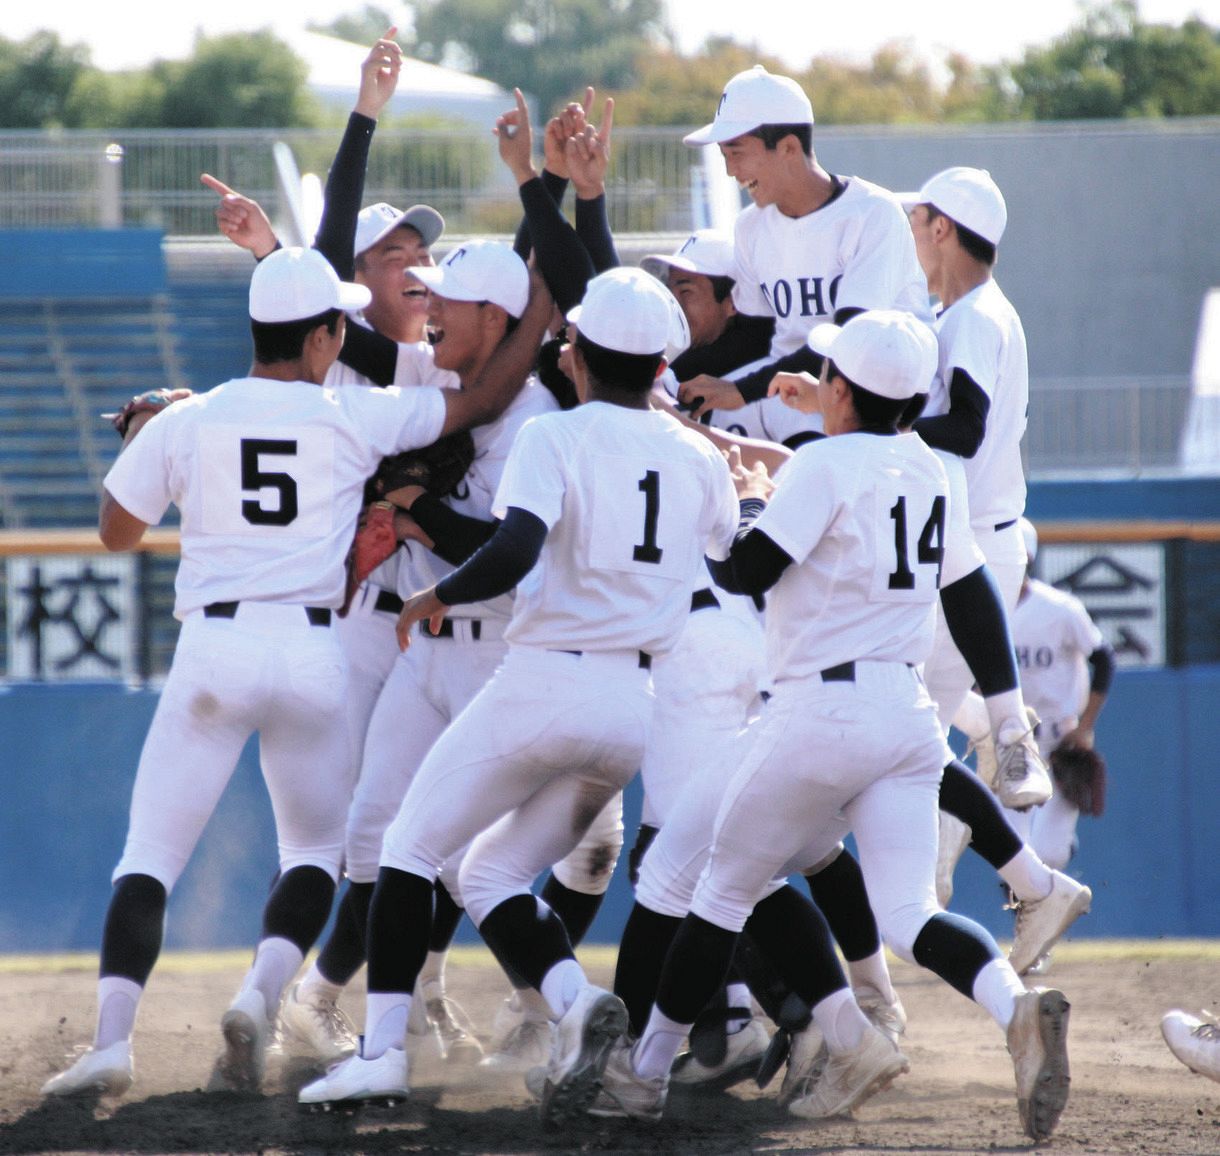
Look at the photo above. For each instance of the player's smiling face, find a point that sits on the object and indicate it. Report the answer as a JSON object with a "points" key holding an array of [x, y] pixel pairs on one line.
{"points": [[457, 330], [704, 314], [400, 302], [753, 166]]}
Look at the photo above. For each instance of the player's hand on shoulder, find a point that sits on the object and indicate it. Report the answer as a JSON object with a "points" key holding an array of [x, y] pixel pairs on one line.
{"points": [[515, 137], [705, 393], [419, 606], [142, 408], [749, 481], [798, 391], [241, 219], [379, 75]]}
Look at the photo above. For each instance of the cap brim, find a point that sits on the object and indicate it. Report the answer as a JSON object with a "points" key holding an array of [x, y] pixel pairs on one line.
{"points": [[720, 131], [822, 337], [909, 200], [353, 298]]}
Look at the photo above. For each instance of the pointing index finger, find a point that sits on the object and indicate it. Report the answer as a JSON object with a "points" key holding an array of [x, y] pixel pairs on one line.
{"points": [[218, 187]]}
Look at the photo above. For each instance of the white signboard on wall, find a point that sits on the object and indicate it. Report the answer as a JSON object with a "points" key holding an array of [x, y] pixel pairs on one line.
{"points": [[72, 617], [1122, 585]]}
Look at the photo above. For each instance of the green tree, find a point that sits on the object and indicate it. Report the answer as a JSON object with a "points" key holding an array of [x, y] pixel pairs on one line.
{"points": [[549, 48], [1114, 65], [361, 27], [36, 76], [243, 80]]}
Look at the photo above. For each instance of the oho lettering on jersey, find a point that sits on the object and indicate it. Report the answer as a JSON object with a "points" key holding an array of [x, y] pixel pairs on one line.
{"points": [[259, 485]]}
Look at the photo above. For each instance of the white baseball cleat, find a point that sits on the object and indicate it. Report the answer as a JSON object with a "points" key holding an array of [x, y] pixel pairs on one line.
{"points": [[743, 1050], [246, 1030], [953, 837], [1037, 1042], [1040, 922], [1022, 779], [1194, 1040], [107, 1072], [519, 1039], [891, 1018], [851, 1077], [315, 1022], [357, 1081], [583, 1039], [453, 1028], [625, 1093], [807, 1056]]}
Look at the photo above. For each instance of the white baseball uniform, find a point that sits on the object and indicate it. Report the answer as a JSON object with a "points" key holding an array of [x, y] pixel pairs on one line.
{"points": [[631, 501], [1054, 636], [849, 738], [268, 477]]}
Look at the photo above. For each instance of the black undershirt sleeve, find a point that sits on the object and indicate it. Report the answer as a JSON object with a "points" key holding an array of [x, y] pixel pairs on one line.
{"points": [[523, 243], [744, 339], [336, 237], [961, 430], [755, 562], [494, 569], [1101, 665], [370, 353], [562, 259], [456, 536], [753, 387], [593, 228]]}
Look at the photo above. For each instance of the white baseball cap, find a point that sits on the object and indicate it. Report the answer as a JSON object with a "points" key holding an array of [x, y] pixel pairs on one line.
{"points": [[377, 220], [479, 271], [965, 195], [706, 251], [294, 284], [1030, 536], [887, 351], [630, 311], [753, 98]]}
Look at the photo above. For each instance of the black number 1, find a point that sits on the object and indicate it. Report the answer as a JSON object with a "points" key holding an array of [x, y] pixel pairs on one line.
{"points": [[648, 550], [929, 551]]}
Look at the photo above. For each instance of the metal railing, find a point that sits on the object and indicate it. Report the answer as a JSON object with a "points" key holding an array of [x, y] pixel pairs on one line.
{"points": [[151, 178]]}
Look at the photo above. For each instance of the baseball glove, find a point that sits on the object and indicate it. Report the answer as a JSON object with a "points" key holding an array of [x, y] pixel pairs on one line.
{"points": [[438, 467], [151, 401], [1081, 777], [375, 541]]}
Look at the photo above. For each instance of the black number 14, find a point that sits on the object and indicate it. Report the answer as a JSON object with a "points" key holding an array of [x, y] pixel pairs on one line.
{"points": [[648, 550], [930, 550]]}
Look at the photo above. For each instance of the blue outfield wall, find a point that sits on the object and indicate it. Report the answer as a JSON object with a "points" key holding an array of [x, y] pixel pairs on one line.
{"points": [[70, 753]]}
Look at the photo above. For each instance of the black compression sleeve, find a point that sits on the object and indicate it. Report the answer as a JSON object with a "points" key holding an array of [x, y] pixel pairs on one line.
{"points": [[523, 244], [456, 536], [494, 569], [593, 228], [336, 238], [744, 339], [753, 387], [1101, 664], [562, 259], [755, 562], [961, 430], [370, 353]]}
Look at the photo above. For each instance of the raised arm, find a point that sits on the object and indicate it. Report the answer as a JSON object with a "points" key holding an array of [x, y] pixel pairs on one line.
{"points": [[588, 156]]}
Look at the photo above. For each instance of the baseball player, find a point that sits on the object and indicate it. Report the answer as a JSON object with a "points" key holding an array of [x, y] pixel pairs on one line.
{"points": [[849, 740], [813, 246], [268, 473], [606, 511], [702, 274], [1066, 672]]}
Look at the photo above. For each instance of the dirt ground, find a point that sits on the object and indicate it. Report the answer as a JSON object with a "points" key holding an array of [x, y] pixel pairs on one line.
{"points": [[1129, 1095]]}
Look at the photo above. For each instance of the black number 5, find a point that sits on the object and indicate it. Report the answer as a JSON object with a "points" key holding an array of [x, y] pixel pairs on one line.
{"points": [[648, 550], [254, 478]]}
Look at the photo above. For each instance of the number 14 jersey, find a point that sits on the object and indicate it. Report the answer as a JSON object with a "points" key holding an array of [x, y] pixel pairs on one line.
{"points": [[862, 516], [632, 501], [268, 476]]}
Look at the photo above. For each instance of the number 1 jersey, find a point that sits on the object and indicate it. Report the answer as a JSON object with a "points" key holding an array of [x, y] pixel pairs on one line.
{"points": [[632, 501]]}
